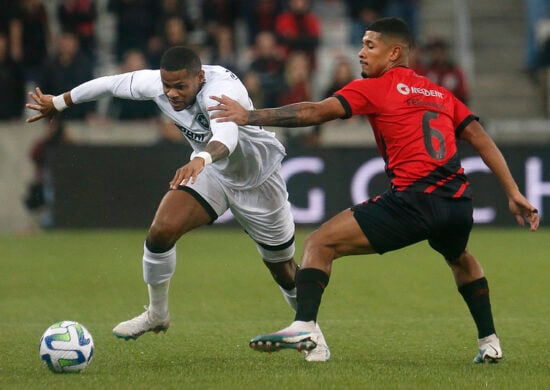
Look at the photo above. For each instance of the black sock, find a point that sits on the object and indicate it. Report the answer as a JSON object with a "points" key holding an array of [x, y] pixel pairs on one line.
{"points": [[310, 283], [476, 295]]}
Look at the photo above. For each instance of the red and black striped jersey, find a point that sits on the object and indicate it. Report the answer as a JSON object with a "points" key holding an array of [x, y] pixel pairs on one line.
{"points": [[416, 124]]}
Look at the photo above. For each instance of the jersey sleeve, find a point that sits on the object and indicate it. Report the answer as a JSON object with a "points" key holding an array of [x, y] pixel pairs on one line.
{"points": [[225, 132], [462, 116], [359, 97], [139, 85]]}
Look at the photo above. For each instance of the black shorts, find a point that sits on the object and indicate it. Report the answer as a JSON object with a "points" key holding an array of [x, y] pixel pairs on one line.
{"points": [[398, 219]]}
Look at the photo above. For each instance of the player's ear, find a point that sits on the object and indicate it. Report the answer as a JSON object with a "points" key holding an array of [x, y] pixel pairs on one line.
{"points": [[396, 52]]}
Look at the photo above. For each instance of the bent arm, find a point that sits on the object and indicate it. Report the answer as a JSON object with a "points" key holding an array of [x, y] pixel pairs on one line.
{"points": [[476, 136], [214, 151], [217, 150]]}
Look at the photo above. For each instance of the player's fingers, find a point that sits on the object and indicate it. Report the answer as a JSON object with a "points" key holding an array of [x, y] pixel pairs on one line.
{"points": [[218, 115], [195, 175], [520, 220], [534, 224], [34, 97], [217, 98], [223, 116], [179, 181], [176, 180], [35, 118], [221, 119], [534, 220], [184, 181], [39, 92], [184, 178]]}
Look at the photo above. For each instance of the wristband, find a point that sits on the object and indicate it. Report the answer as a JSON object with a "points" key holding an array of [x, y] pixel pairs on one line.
{"points": [[207, 157], [59, 103]]}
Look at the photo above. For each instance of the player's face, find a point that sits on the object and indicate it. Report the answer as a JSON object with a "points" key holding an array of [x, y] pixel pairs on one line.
{"points": [[180, 87], [374, 55]]}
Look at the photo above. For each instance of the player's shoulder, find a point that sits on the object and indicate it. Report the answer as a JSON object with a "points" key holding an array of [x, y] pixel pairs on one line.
{"points": [[147, 74], [415, 78], [406, 81], [220, 80], [218, 72], [405, 73], [147, 81]]}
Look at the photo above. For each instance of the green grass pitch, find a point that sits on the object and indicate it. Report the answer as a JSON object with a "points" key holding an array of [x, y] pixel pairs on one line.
{"points": [[394, 321]]}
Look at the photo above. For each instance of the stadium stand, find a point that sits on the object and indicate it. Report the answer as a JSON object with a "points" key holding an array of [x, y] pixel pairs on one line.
{"points": [[486, 38]]}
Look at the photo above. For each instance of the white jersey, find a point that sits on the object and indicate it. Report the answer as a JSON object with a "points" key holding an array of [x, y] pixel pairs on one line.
{"points": [[254, 152]]}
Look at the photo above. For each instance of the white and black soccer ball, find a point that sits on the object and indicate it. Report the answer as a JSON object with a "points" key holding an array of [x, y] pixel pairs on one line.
{"points": [[66, 346]]}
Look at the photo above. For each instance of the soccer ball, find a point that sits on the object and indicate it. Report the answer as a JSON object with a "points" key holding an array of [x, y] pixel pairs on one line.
{"points": [[66, 346]]}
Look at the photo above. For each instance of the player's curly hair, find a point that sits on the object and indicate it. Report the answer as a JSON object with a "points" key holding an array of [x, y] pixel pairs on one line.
{"points": [[180, 57], [392, 26]]}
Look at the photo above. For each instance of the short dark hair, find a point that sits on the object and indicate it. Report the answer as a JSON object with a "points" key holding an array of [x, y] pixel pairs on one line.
{"points": [[394, 27], [180, 57]]}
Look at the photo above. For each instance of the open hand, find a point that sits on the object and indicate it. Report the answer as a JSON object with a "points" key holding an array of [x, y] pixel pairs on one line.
{"points": [[188, 172], [228, 110], [44, 105]]}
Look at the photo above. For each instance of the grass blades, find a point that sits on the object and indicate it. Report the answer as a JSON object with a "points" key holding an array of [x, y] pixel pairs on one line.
{"points": [[392, 321]]}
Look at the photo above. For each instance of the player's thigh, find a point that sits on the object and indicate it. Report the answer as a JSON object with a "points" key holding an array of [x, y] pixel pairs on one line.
{"points": [[265, 213], [340, 235], [392, 221], [210, 192], [179, 212], [452, 226], [192, 205]]}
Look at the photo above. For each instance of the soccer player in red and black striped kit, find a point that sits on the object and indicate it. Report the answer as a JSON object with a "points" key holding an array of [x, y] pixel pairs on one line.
{"points": [[416, 124]]}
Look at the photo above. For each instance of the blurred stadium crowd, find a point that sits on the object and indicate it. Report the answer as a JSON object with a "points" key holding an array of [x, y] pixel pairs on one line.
{"points": [[275, 52], [283, 50], [276, 57]]}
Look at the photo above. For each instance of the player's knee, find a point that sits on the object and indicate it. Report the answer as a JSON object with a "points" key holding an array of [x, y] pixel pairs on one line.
{"points": [[316, 240], [459, 259], [163, 234], [320, 251], [465, 264]]}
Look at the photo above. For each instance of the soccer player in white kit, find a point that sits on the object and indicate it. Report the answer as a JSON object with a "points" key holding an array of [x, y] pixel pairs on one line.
{"points": [[231, 167]]}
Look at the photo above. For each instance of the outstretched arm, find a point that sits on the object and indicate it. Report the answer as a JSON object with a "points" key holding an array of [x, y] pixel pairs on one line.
{"points": [[292, 115], [139, 85], [491, 155]]}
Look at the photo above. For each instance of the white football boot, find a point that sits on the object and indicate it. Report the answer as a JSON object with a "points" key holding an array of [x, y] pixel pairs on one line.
{"points": [[321, 353], [145, 322], [299, 335], [489, 350]]}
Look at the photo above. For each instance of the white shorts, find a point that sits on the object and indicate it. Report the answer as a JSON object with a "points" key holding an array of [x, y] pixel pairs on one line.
{"points": [[263, 211]]}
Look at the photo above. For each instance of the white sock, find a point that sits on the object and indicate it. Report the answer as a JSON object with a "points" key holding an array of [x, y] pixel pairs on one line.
{"points": [[158, 299], [290, 297], [158, 269]]}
